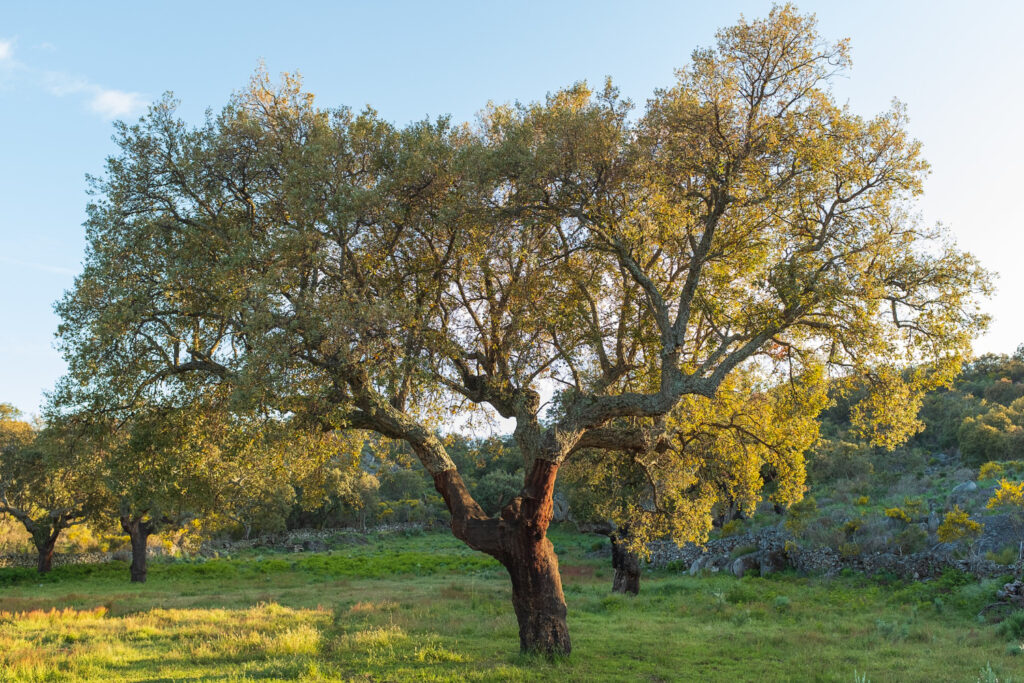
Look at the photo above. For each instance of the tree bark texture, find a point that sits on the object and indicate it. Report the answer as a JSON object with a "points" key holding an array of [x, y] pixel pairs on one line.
{"points": [[45, 562], [518, 539], [139, 532], [625, 563]]}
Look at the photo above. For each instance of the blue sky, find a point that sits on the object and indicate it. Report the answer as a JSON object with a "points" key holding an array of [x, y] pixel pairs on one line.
{"points": [[68, 69]]}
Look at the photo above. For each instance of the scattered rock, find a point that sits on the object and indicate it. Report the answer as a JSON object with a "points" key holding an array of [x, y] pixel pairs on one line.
{"points": [[560, 508], [772, 561], [745, 563], [999, 532], [774, 555]]}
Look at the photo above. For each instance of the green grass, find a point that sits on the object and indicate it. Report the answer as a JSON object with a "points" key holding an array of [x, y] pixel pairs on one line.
{"points": [[425, 608]]}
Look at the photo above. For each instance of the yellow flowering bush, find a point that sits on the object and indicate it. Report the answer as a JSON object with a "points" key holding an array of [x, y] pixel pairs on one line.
{"points": [[958, 526], [990, 470], [1007, 494], [897, 513]]}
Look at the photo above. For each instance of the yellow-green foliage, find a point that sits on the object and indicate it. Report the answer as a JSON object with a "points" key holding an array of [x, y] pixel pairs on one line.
{"points": [[732, 527], [863, 500], [990, 470], [887, 417], [994, 435], [958, 526], [800, 513], [914, 507], [718, 449], [1008, 494], [897, 513], [85, 538], [849, 550], [1007, 555]]}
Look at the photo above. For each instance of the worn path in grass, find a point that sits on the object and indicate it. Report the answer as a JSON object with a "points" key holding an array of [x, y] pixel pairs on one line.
{"points": [[423, 607]]}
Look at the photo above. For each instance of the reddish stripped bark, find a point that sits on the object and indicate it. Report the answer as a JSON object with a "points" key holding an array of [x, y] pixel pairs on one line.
{"points": [[519, 541], [45, 560]]}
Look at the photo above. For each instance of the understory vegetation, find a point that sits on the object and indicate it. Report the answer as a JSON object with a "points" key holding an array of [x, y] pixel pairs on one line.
{"points": [[419, 606], [861, 499]]}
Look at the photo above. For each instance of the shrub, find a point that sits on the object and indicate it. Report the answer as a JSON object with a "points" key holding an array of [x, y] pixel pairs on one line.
{"points": [[958, 526], [897, 513], [732, 527], [739, 594], [848, 550], [1007, 494], [914, 507], [863, 500], [835, 460], [911, 540], [892, 630], [990, 470], [800, 513], [1006, 555], [741, 550], [1013, 625]]}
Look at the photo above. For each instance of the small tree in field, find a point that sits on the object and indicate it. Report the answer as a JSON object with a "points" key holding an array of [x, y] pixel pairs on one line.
{"points": [[156, 476], [352, 275], [47, 481], [164, 467]]}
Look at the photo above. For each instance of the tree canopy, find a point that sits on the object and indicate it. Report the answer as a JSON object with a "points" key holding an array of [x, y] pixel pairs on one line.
{"points": [[48, 478], [348, 273]]}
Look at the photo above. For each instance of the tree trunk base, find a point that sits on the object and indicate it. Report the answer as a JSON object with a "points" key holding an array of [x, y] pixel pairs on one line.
{"points": [[45, 561], [518, 540], [539, 602], [139, 532], [626, 565]]}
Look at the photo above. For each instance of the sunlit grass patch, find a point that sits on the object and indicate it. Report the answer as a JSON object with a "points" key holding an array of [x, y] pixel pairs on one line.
{"points": [[375, 638], [433, 652], [460, 626], [369, 606], [301, 640]]}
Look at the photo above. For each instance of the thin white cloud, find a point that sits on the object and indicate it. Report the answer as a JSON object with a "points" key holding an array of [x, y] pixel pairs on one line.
{"points": [[113, 104], [38, 266], [61, 84], [110, 103]]}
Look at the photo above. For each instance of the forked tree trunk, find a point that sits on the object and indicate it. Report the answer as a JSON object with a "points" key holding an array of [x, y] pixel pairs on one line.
{"points": [[44, 538], [625, 563], [519, 541], [138, 532]]}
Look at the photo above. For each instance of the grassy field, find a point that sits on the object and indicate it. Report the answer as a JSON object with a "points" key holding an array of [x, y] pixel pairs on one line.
{"points": [[422, 607]]}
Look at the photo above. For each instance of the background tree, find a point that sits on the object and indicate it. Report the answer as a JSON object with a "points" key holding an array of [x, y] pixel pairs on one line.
{"points": [[355, 275], [47, 479], [157, 474], [713, 457], [166, 466]]}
